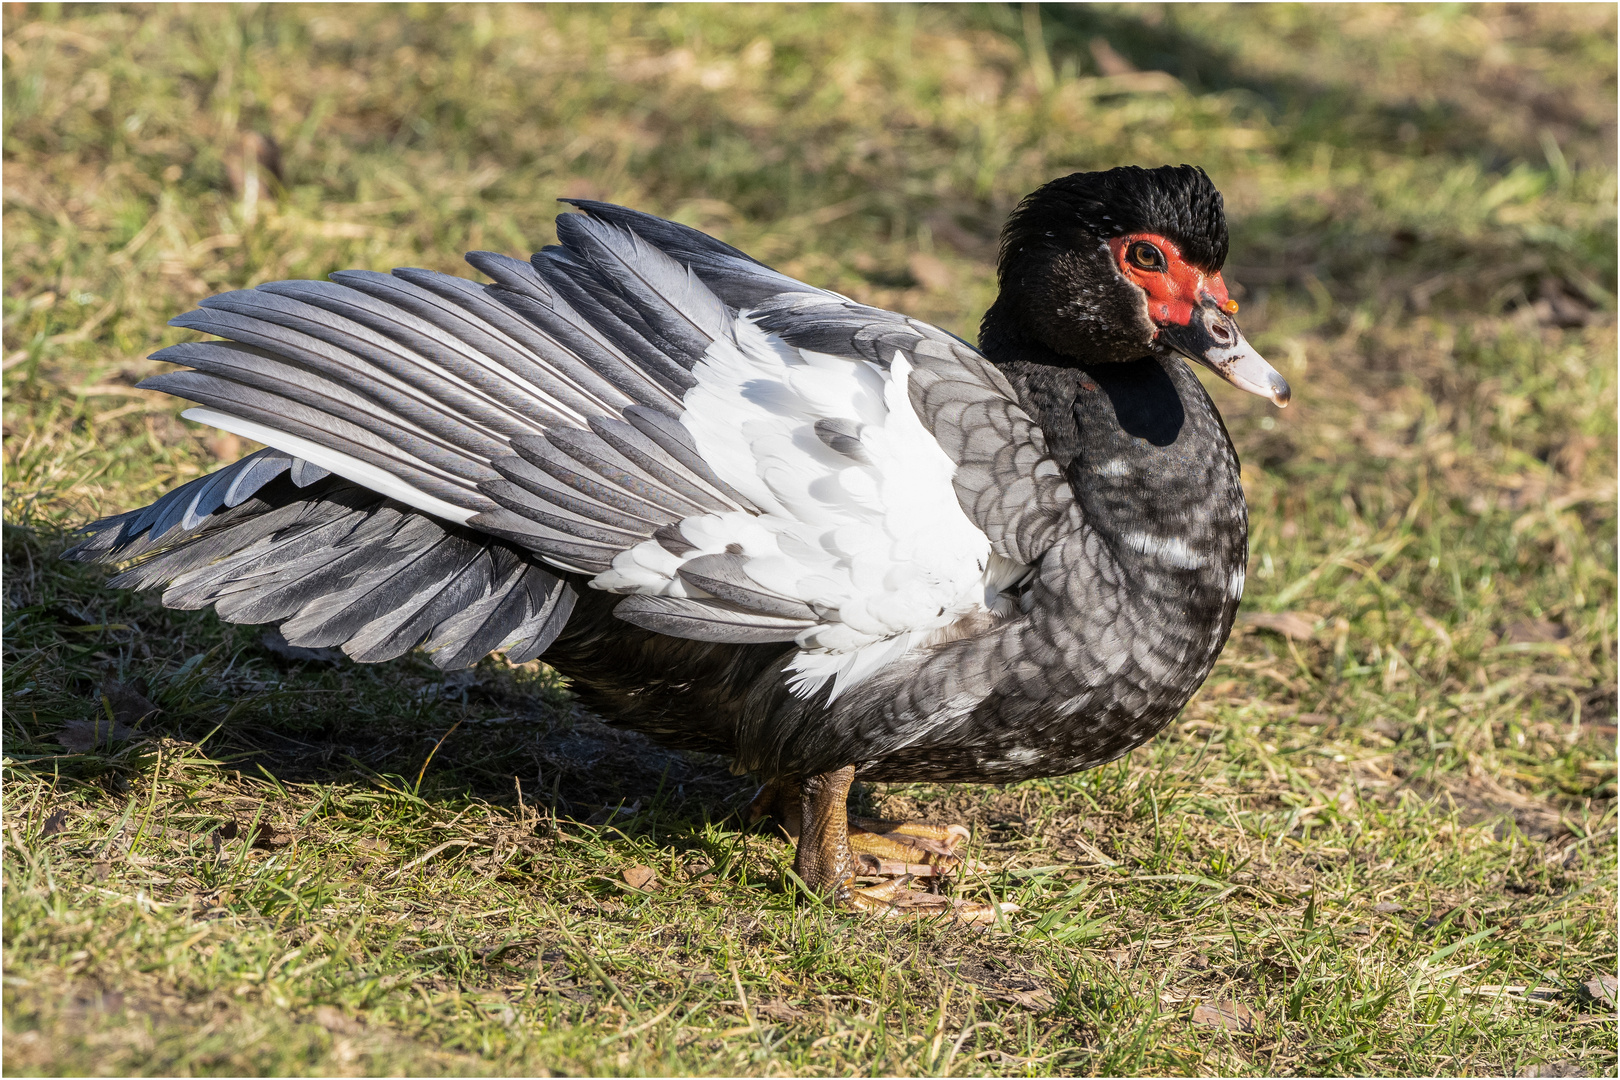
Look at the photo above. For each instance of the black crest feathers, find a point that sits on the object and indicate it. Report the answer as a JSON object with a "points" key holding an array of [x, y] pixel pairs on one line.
{"points": [[1176, 201]]}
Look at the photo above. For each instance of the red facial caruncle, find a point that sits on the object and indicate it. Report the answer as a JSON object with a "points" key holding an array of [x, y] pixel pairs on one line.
{"points": [[1174, 287]]}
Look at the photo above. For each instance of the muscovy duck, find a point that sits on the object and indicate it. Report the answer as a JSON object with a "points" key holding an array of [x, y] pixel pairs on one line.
{"points": [[746, 515]]}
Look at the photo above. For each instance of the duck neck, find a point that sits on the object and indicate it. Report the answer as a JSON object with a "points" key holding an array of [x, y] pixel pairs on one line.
{"points": [[1148, 458]]}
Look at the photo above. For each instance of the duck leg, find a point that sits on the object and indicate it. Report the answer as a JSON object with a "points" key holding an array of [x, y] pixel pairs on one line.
{"points": [[828, 863], [881, 848], [822, 857]]}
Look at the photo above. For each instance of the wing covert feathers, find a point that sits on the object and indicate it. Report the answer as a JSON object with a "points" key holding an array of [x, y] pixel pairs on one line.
{"points": [[1005, 480], [748, 458]]}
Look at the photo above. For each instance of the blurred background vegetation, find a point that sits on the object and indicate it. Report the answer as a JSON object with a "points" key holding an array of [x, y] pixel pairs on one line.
{"points": [[1422, 692]]}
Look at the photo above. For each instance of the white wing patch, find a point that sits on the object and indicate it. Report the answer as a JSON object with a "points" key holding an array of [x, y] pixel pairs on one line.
{"points": [[870, 536]]}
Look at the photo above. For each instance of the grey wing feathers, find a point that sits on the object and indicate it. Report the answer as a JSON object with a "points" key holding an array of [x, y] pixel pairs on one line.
{"points": [[739, 281], [592, 351], [431, 465], [544, 405], [131, 535], [335, 564], [825, 322], [723, 576], [1005, 480], [546, 408], [707, 620]]}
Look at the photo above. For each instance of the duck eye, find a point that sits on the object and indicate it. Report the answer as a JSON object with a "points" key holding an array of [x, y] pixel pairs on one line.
{"points": [[1145, 255]]}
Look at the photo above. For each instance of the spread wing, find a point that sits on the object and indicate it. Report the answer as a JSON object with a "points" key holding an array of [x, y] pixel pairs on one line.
{"points": [[274, 539], [745, 457]]}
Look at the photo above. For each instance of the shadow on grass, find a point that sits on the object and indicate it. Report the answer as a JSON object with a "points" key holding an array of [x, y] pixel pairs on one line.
{"points": [[1441, 119], [491, 733]]}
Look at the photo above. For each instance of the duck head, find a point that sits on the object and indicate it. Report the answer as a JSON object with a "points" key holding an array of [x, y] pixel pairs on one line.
{"points": [[1117, 265]]}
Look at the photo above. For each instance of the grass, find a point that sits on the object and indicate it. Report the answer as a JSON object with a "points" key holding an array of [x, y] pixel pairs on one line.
{"points": [[1383, 834]]}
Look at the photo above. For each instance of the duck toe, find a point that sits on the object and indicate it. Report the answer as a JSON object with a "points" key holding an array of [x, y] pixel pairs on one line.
{"points": [[893, 848], [895, 899]]}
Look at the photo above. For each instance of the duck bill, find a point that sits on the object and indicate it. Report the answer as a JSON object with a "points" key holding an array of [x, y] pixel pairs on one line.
{"points": [[1213, 339]]}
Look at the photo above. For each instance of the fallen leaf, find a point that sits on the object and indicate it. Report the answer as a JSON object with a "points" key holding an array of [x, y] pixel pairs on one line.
{"points": [[127, 701], [1226, 1013], [268, 839], [779, 1010], [262, 836], [83, 736], [1290, 624], [1605, 989], [119, 706], [1523, 631], [1038, 999], [640, 877]]}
